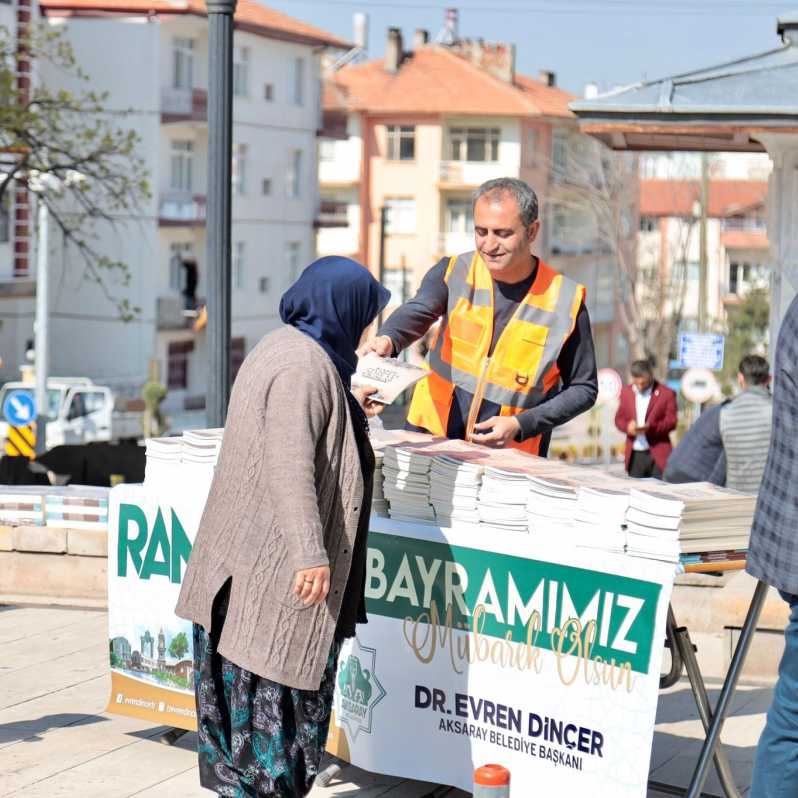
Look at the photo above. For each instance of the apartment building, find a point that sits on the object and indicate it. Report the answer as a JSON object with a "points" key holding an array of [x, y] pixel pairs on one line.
{"points": [[737, 243], [407, 139], [159, 73]]}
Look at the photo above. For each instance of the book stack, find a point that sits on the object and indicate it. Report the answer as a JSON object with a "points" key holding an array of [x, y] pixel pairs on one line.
{"points": [[503, 500], [406, 484], [162, 454], [201, 446], [454, 488], [379, 504], [600, 517], [699, 521], [551, 505]]}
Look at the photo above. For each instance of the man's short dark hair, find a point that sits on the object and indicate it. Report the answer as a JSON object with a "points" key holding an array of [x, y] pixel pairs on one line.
{"points": [[521, 192], [641, 368], [755, 370]]}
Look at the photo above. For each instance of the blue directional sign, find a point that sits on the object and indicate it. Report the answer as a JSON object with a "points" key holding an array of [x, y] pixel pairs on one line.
{"points": [[19, 408], [701, 351]]}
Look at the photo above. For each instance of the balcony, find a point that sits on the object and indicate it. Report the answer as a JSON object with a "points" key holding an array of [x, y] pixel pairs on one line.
{"points": [[337, 241], [172, 313], [181, 209], [184, 105], [449, 243], [333, 214], [469, 174]]}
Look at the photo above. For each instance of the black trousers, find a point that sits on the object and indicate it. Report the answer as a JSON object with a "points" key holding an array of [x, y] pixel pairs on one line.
{"points": [[642, 466]]}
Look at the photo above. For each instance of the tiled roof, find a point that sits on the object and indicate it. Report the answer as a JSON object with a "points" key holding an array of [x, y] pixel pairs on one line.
{"points": [[744, 239], [677, 197], [250, 15], [433, 80]]}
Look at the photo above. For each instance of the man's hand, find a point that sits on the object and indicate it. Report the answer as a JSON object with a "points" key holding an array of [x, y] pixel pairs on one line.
{"points": [[497, 431], [382, 345], [312, 585], [631, 429], [370, 407]]}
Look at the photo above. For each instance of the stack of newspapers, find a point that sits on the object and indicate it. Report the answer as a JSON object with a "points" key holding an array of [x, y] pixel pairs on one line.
{"points": [[551, 504], [503, 500], [201, 446], [379, 504], [406, 483], [454, 488], [600, 517]]}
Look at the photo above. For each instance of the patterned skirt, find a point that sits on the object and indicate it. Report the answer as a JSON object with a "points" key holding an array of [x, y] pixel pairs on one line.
{"points": [[257, 737]]}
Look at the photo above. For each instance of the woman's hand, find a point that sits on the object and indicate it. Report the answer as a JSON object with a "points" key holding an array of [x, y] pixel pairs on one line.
{"points": [[370, 407], [312, 585]]}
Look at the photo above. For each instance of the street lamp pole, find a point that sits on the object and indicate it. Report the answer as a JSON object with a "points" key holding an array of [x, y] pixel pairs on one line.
{"points": [[42, 344], [220, 131]]}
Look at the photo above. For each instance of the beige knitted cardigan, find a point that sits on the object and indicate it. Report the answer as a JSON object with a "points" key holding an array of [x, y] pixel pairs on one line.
{"points": [[286, 496]]}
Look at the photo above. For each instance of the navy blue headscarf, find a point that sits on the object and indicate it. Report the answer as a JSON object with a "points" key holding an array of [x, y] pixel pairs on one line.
{"points": [[333, 302]]}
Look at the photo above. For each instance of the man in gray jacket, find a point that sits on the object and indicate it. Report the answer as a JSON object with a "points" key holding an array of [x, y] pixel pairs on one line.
{"points": [[745, 426]]}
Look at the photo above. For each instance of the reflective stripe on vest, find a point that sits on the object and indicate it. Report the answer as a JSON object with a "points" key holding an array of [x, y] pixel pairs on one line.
{"points": [[523, 366]]}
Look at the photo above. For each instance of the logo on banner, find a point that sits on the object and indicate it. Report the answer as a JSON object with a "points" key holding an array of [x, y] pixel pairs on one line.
{"points": [[359, 689]]}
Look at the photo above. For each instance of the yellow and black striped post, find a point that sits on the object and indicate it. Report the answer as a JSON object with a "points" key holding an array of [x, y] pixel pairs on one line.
{"points": [[21, 442]]}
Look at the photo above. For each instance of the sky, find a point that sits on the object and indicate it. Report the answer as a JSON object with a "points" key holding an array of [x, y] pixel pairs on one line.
{"points": [[609, 42]]}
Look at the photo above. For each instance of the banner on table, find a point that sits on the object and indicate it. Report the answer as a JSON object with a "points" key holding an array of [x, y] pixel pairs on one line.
{"points": [[497, 649]]}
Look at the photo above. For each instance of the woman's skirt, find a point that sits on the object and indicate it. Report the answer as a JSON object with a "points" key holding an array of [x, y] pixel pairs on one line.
{"points": [[257, 737]]}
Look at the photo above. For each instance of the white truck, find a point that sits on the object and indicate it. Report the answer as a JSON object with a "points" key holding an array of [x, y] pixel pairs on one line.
{"points": [[81, 412]]}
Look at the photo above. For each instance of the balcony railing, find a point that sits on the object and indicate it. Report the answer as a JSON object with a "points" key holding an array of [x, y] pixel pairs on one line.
{"points": [[184, 105], [470, 173], [333, 214], [180, 209], [743, 223]]}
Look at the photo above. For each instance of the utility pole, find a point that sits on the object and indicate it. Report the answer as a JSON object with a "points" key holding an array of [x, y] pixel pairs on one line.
{"points": [[220, 149], [42, 345], [703, 281], [383, 227]]}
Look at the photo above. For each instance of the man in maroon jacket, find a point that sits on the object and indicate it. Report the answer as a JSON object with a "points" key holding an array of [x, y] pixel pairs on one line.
{"points": [[647, 416]]}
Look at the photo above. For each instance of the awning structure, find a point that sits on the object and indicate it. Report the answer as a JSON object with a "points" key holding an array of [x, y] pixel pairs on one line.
{"points": [[746, 105]]}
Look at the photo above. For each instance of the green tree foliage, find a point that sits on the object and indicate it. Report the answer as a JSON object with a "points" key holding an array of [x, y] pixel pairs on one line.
{"points": [[747, 327], [178, 646], [73, 137]]}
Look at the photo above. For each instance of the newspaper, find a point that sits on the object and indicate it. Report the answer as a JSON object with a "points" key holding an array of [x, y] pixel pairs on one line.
{"points": [[389, 375]]}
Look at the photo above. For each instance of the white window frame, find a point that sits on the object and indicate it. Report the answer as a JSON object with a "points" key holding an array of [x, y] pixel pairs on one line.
{"points": [[459, 216], [293, 256], [327, 150], [239, 265], [178, 251], [299, 81], [559, 154], [241, 72], [401, 215], [462, 141], [293, 178], [181, 165], [395, 136], [183, 50], [239, 169]]}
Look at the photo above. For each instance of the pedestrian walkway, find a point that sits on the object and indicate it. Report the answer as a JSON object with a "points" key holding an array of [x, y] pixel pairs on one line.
{"points": [[57, 742]]}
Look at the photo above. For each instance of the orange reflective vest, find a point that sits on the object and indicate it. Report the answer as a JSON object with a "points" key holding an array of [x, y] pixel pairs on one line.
{"points": [[522, 368]]}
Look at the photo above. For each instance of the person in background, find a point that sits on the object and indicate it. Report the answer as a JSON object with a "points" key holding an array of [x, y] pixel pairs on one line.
{"points": [[699, 456], [745, 425], [513, 357], [773, 558], [276, 578], [647, 415]]}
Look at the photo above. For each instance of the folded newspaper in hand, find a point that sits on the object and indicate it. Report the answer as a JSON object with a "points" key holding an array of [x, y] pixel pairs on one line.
{"points": [[389, 375]]}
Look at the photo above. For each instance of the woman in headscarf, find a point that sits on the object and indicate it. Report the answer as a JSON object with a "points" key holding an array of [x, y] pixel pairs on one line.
{"points": [[276, 577]]}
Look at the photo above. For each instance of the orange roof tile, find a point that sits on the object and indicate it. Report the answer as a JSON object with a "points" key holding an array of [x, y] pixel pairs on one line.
{"points": [[250, 15], [744, 239], [677, 197], [433, 80]]}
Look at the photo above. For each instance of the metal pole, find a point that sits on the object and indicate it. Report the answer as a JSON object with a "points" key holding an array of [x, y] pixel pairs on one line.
{"points": [[220, 138], [703, 280], [41, 347], [383, 224]]}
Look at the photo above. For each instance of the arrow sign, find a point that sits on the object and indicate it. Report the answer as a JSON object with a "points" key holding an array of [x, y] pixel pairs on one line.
{"points": [[19, 408]]}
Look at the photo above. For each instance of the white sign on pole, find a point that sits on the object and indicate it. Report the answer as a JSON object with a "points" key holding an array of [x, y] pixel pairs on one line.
{"points": [[609, 386], [699, 385], [701, 351]]}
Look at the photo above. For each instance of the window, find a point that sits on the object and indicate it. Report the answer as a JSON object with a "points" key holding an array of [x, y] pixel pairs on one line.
{"points": [[326, 150], [397, 281], [183, 63], [605, 287], [744, 275], [459, 216], [531, 147], [182, 165], [5, 217], [241, 72], [264, 285], [85, 403], [293, 180], [400, 215], [474, 143], [293, 252], [648, 224], [177, 364], [239, 265], [299, 81], [559, 154], [178, 253], [401, 140], [239, 169], [266, 186], [268, 92], [237, 352]]}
